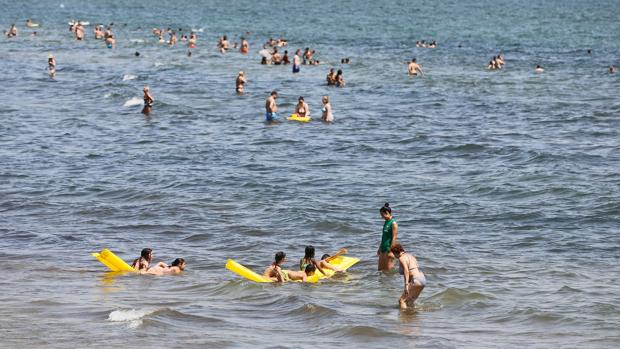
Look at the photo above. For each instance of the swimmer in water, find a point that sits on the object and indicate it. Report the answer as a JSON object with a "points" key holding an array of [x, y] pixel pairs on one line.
{"points": [[539, 69], [12, 31], [51, 66], [192, 40], [612, 69], [223, 44], [388, 239], [414, 68], [110, 41], [339, 78], [301, 109], [296, 61], [31, 24], [320, 265], [276, 58], [327, 110], [285, 59], [414, 279], [271, 108], [161, 268], [244, 46], [144, 261], [148, 101], [177, 266], [98, 31], [331, 77], [173, 38], [240, 83], [79, 31], [275, 272]]}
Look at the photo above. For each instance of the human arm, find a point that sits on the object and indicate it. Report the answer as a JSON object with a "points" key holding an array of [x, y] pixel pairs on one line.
{"points": [[318, 266], [406, 276], [394, 234]]}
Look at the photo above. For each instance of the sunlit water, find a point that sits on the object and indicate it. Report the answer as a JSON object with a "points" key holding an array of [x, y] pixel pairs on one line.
{"points": [[505, 184]]}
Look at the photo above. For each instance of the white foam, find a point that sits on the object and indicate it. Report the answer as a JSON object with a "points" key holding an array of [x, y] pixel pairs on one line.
{"points": [[133, 102], [129, 77], [129, 315], [137, 41], [198, 30]]}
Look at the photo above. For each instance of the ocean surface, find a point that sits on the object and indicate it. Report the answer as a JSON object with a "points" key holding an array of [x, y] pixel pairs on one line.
{"points": [[505, 184]]}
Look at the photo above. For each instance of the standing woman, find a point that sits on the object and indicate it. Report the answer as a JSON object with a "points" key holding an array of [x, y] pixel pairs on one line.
{"points": [[388, 239], [327, 110], [414, 278]]}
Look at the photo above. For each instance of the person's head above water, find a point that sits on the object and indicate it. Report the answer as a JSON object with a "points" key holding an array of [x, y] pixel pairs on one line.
{"points": [[413, 60], [147, 254], [274, 93], [241, 73], [137, 54], [310, 269], [397, 249], [279, 257], [179, 262], [300, 99], [386, 211], [324, 257], [309, 252], [325, 99], [339, 72]]}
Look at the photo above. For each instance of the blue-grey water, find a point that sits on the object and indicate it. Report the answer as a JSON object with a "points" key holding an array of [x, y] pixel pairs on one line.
{"points": [[505, 184]]}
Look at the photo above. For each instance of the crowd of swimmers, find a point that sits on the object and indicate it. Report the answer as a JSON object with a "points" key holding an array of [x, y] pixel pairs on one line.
{"points": [[270, 55]]}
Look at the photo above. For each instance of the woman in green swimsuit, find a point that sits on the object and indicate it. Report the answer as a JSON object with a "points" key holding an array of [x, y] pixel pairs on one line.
{"points": [[388, 239]]}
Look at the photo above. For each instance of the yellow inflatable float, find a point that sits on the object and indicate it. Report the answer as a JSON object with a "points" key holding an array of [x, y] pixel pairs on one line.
{"points": [[112, 261], [341, 262], [295, 117]]}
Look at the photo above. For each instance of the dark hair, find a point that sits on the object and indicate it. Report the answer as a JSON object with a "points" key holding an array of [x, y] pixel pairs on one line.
{"points": [[146, 253], [309, 253], [137, 54], [413, 59], [177, 262], [274, 93], [339, 72], [386, 208], [397, 249], [301, 98], [325, 256], [310, 268], [280, 256]]}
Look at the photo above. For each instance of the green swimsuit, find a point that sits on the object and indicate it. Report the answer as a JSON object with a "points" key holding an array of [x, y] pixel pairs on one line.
{"points": [[386, 238]]}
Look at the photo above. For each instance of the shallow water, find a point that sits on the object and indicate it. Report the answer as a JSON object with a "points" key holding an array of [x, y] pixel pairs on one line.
{"points": [[505, 184]]}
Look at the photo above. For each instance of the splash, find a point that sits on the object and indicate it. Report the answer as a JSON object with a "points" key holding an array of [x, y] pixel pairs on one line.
{"points": [[133, 102]]}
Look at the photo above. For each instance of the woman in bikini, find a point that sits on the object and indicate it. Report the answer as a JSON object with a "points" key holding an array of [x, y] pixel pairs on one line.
{"points": [[414, 279], [301, 109]]}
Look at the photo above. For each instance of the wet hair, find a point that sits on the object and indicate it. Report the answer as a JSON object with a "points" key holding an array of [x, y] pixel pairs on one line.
{"points": [[325, 256], [309, 253], [301, 98], [177, 262], [386, 209], [274, 93], [310, 269], [263, 60], [339, 72], [224, 37], [397, 249], [146, 253], [414, 59], [189, 53], [279, 256], [137, 54]]}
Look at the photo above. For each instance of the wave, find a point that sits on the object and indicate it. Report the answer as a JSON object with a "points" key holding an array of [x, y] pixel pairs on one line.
{"points": [[129, 77], [134, 101], [133, 317], [458, 296]]}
